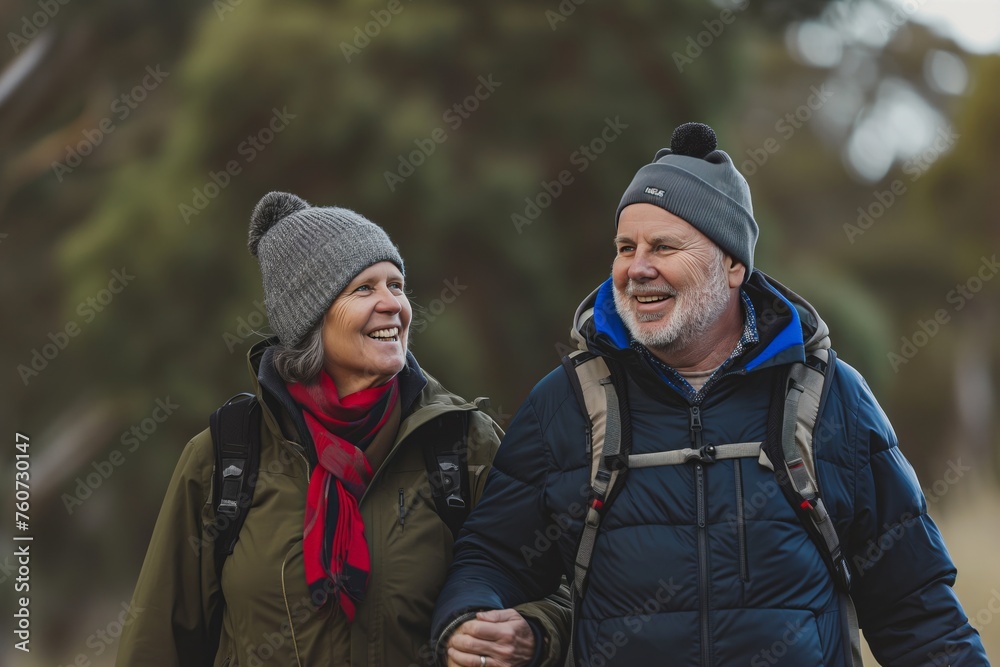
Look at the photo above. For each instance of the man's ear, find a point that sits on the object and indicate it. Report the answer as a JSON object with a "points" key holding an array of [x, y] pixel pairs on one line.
{"points": [[735, 270]]}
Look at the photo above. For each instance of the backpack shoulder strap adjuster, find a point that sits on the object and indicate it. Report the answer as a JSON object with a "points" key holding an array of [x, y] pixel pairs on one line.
{"points": [[236, 440], [446, 457]]}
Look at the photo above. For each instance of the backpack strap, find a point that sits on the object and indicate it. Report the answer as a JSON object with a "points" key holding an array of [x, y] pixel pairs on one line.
{"points": [[447, 460], [601, 392], [595, 388], [236, 439], [790, 448], [707, 454], [803, 393], [235, 429]]}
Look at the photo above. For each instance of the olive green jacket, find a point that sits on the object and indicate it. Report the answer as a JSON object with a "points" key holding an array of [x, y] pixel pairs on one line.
{"points": [[268, 618]]}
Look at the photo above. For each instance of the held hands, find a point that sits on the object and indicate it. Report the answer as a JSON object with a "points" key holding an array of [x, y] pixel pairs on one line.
{"points": [[500, 636]]}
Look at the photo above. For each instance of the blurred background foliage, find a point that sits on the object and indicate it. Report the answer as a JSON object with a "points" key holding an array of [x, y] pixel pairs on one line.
{"points": [[825, 106]]}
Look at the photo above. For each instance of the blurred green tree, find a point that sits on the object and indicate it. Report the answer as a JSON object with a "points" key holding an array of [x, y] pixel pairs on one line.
{"points": [[492, 141]]}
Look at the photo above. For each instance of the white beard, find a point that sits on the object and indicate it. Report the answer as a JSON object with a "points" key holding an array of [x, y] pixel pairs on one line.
{"points": [[695, 312]]}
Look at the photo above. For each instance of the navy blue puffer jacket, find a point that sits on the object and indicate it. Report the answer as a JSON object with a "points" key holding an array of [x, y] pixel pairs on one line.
{"points": [[707, 564]]}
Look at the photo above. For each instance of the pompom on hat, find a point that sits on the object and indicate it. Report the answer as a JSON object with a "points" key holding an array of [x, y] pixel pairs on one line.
{"points": [[700, 184], [308, 255]]}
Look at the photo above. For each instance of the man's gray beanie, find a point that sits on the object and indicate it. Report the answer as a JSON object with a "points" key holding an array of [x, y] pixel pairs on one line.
{"points": [[308, 255], [700, 184]]}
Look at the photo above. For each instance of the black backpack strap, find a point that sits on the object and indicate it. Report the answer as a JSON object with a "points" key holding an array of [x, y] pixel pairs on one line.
{"points": [[236, 439], [235, 429], [447, 459]]}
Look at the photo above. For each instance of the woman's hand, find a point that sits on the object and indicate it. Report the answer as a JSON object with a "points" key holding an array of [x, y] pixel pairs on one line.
{"points": [[502, 636]]}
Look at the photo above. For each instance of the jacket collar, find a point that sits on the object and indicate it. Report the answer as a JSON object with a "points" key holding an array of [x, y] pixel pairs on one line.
{"points": [[787, 324], [277, 402]]}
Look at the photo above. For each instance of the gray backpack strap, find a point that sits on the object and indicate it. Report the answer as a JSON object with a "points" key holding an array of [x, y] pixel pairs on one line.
{"points": [[707, 454], [853, 630], [601, 483], [591, 379], [806, 388], [595, 390], [600, 399]]}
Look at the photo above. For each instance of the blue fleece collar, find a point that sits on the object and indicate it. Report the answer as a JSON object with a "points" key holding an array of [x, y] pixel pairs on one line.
{"points": [[606, 318], [607, 322], [789, 337]]}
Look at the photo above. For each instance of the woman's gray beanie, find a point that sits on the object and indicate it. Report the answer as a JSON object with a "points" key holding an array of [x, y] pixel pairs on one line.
{"points": [[308, 255], [700, 184]]}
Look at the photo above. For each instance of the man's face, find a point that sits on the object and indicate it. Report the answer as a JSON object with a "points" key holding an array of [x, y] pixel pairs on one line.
{"points": [[672, 284]]}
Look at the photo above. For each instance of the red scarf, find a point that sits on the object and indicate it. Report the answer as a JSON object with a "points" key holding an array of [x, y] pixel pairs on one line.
{"points": [[333, 543]]}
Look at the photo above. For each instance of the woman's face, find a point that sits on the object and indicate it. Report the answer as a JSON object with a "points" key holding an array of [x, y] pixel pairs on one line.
{"points": [[365, 330]]}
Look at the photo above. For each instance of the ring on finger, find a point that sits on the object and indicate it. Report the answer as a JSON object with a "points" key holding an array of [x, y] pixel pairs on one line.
{"points": [[482, 661]]}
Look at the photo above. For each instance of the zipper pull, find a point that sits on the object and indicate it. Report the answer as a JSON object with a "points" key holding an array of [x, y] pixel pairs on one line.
{"points": [[402, 509], [695, 424]]}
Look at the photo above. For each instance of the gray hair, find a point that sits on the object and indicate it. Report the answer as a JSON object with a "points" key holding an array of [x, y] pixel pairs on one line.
{"points": [[301, 362]]}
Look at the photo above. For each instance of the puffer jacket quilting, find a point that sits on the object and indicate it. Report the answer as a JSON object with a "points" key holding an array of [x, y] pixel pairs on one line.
{"points": [[707, 564]]}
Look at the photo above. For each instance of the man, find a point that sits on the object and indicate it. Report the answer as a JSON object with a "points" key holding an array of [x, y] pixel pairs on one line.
{"points": [[705, 561]]}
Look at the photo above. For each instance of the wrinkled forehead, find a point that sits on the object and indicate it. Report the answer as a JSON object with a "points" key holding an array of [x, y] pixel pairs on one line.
{"points": [[645, 223]]}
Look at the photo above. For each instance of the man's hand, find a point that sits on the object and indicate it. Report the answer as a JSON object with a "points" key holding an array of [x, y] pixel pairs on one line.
{"points": [[501, 636]]}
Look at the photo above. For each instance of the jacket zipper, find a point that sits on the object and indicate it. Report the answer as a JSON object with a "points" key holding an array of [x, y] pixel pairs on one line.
{"points": [[741, 529], [288, 610], [406, 428], [699, 471]]}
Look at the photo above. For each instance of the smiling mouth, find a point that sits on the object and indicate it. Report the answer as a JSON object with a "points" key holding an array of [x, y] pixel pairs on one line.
{"points": [[651, 298], [386, 335]]}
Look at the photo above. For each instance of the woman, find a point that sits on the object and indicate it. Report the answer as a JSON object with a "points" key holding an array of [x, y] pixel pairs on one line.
{"points": [[343, 551]]}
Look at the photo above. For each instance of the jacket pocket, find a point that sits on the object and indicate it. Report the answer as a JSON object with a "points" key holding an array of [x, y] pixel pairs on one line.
{"points": [[766, 637], [625, 641], [410, 561]]}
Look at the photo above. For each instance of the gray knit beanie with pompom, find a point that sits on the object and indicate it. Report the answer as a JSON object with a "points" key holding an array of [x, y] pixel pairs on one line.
{"points": [[308, 255], [700, 184]]}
